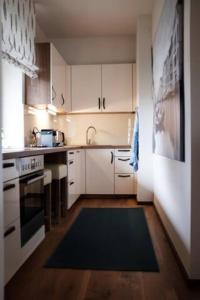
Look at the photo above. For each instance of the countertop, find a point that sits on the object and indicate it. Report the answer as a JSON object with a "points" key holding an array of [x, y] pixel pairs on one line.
{"points": [[17, 153]]}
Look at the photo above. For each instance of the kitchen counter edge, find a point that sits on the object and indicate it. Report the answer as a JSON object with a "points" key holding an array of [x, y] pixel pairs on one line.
{"points": [[9, 154]]}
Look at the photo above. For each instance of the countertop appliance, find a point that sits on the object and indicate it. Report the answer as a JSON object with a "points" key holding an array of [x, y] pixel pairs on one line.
{"points": [[31, 196], [52, 138]]}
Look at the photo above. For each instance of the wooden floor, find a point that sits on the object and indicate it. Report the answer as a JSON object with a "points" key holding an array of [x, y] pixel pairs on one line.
{"points": [[33, 281]]}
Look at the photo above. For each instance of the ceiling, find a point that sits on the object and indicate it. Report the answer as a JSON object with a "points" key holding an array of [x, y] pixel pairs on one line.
{"points": [[90, 18]]}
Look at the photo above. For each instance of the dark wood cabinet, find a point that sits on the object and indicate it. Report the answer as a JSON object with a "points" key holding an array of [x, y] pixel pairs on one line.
{"points": [[52, 87]]}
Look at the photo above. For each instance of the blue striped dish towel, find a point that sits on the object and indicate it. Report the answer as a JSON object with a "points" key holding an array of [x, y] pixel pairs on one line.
{"points": [[134, 160]]}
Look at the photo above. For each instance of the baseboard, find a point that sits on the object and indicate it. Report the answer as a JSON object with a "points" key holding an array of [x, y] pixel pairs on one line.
{"points": [[106, 196], [189, 281], [144, 202]]}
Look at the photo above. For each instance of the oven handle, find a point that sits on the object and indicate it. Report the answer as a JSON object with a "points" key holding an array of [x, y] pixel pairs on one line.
{"points": [[35, 179]]}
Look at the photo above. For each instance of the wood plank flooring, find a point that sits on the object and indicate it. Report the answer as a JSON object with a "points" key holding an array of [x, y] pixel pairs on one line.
{"points": [[33, 282]]}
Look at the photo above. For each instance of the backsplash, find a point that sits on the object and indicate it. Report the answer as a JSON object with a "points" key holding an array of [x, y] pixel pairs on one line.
{"points": [[113, 129], [41, 119]]}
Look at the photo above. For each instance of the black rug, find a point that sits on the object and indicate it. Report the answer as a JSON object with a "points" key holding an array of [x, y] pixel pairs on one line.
{"points": [[107, 239]]}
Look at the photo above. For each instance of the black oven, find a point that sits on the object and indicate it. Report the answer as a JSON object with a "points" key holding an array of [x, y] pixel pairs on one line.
{"points": [[31, 205]]}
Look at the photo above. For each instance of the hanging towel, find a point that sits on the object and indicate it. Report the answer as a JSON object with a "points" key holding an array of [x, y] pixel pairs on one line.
{"points": [[135, 144]]}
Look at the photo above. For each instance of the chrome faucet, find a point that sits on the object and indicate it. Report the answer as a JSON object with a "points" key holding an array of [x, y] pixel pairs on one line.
{"points": [[88, 141]]}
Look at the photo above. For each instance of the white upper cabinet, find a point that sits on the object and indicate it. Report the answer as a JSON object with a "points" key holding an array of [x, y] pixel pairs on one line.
{"points": [[67, 105], [103, 88], [117, 89], [86, 88], [58, 78]]}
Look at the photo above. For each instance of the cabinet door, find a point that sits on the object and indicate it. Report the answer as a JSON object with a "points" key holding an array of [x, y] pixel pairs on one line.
{"points": [[58, 79], [122, 165], [99, 171], [71, 194], [80, 172], [38, 90], [71, 167], [125, 184], [12, 249], [117, 88], [11, 201], [86, 88], [67, 99], [122, 152]]}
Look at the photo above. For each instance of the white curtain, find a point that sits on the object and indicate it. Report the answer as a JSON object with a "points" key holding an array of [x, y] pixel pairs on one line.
{"points": [[18, 34]]}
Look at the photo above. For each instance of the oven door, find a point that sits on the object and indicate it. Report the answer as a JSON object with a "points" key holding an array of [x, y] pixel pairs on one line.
{"points": [[31, 205]]}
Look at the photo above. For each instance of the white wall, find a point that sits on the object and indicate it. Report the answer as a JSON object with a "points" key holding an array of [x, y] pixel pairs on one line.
{"points": [[172, 179], [195, 126], [1, 199], [158, 6], [40, 35], [112, 129], [144, 99], [12, 106], [97, 49]]}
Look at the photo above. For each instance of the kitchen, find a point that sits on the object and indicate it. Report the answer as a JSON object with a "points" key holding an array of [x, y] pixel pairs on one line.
{"points": [[75, 93]]}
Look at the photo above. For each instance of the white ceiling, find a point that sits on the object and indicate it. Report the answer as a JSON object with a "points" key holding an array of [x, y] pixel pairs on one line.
{"points": [[89, 18]]}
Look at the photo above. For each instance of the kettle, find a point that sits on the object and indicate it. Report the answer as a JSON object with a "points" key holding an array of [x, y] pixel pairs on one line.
{"points": [[36, 137], [59, 138]]}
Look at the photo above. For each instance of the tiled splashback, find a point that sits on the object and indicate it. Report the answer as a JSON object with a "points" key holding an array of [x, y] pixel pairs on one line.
{"points": [[41, 119], [111, 128]]}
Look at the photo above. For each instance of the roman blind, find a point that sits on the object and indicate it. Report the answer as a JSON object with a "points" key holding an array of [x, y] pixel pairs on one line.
{"points": [[18, 34]]}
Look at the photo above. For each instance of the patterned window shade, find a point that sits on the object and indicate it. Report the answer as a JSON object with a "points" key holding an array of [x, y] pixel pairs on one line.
{"points": [[18, 34]]}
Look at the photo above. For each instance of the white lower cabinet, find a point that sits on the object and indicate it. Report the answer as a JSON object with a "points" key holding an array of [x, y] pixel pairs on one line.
{"points": [[125, 179], [80, 172], [71, 169], [125, 184], [123, 152], [71, 198], [11, 201], [76, 175], [99, 171], [122, 165], [12, 235], [12, 249]]}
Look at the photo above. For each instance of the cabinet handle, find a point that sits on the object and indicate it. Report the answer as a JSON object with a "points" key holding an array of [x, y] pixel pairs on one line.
{"points": [[104, 103], [126, 159], [8, 165], [9, 231], [53, 94], [71, 183], [112, 157], [63, 99], [71, 162], [124, 176], [99, 103], [124, 150], [71, 152], [8, 187]]}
